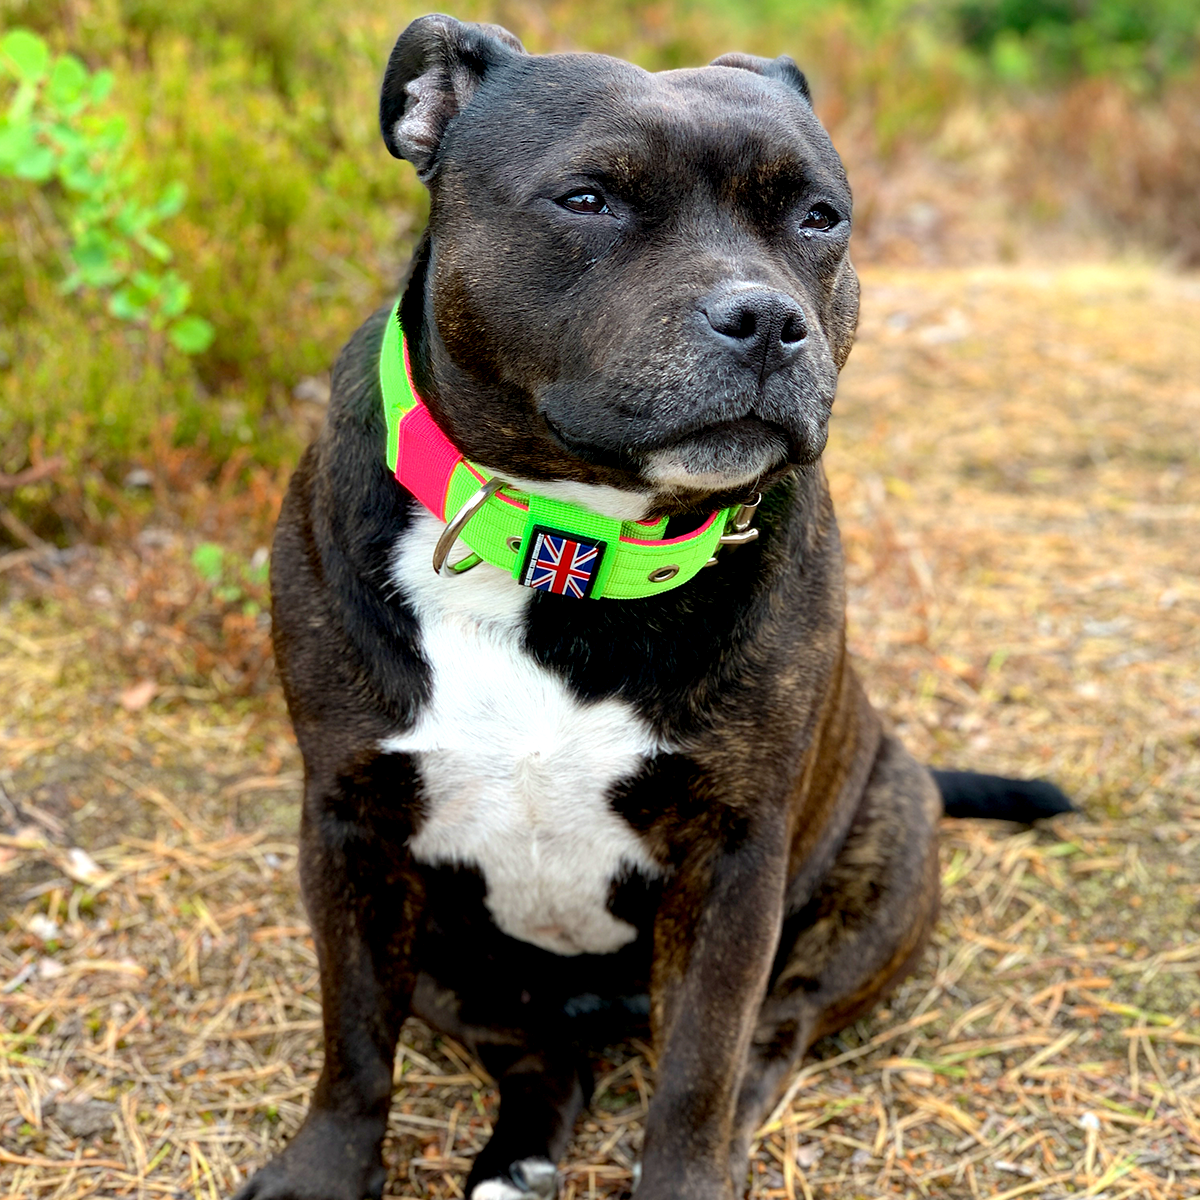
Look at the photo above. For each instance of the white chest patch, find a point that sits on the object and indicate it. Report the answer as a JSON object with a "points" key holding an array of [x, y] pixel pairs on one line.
{"points": [[515, 769]]}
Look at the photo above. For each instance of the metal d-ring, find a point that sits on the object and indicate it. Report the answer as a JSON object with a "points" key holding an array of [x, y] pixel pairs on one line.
{"points": [[739, 531], [738, 537], [745, 514], [451, 533]]}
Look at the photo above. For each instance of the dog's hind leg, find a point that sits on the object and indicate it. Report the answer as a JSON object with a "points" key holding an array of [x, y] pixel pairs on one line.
{"points": [[857, 935], [541, 1094]]}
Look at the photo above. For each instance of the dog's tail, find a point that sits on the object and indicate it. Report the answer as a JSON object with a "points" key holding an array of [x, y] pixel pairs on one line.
{"points": [[968, 794]]}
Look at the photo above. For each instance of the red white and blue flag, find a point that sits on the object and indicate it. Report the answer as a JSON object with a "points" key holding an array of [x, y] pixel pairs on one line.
{"points": [[561, 564]]}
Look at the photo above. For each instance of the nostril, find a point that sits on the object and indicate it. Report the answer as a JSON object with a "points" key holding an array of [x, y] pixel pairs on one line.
{"points": [[736, 321], [794, 330], [747, 325]]}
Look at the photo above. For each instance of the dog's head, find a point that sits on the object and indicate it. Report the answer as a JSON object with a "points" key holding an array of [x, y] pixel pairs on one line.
{"points": [[629, 279]]}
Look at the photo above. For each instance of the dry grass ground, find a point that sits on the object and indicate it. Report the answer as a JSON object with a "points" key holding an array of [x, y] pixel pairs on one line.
{"points": [[1017, 469]]}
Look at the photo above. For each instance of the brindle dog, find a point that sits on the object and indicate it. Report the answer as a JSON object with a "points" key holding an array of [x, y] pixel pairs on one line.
{"points": [[542, 823]]}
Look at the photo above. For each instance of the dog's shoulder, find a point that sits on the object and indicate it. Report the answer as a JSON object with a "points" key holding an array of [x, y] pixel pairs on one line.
{"points": [[345, 641]]}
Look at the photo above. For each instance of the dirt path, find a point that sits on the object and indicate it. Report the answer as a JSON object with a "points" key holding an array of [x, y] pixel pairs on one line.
{"points": [[1016, 460]]}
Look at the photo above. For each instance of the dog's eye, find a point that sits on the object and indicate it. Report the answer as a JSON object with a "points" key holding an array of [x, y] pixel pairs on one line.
{"points": [[820, 216], [590, 203]]}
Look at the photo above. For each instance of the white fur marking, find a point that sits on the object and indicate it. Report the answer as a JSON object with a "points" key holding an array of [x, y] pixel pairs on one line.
{"points": [[670, 469], [515, 769], [497, 1189], [539, 1173], [596, 497]]}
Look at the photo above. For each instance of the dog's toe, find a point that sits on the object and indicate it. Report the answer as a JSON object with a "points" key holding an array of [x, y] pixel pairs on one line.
{"points": [[537, 1176], [528, 1178]]}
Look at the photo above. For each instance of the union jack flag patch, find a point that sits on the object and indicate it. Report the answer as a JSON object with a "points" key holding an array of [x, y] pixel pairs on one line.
{"points": [[559, 563]]}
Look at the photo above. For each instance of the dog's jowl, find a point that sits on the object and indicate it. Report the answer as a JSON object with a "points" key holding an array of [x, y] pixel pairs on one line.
{"points": [[559, 615]]}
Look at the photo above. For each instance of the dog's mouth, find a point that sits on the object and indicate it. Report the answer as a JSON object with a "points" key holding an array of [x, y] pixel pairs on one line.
{"points": [[714, 458], [730, 454], [732, 448]]}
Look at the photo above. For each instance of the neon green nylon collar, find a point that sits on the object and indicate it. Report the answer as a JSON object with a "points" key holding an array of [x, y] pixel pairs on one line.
{"points": [[543, 543]]}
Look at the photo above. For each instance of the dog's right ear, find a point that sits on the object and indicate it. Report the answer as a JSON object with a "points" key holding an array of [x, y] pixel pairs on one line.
{"points": [[782, 69], [436, 67]]}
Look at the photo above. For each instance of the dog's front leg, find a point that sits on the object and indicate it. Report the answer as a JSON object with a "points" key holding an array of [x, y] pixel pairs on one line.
{"points": [[364, 901], [716, 935]]}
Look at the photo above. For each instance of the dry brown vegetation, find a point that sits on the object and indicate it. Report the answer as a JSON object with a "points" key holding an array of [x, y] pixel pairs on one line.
{"points": [[1015, 463], [1133, 166]]}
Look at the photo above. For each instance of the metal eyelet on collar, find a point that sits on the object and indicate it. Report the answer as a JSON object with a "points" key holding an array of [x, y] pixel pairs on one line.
{"points": [[662, 574]]}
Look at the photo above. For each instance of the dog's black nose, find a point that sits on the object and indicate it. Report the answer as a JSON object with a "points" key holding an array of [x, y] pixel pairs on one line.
{"points": [[763, 328]]}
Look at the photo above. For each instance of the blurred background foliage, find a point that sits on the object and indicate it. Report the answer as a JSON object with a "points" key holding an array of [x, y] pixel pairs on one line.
{"points": [[973, 130]]}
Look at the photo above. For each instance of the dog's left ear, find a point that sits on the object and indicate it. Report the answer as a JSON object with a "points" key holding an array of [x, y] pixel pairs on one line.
{"points": [[436, 66], [783, 69]]}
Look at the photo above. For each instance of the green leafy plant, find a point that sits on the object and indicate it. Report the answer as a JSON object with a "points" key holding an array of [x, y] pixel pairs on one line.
{"points": [[230, 578], [49, 137], [1137, 41]]}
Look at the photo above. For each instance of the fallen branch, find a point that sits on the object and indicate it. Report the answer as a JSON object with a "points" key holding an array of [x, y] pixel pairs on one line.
{"points": [[34, 474]]}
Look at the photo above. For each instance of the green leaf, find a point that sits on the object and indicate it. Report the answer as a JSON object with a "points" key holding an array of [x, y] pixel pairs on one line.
{"points": [[171, 201], [16, 143], [37, 164], [191, 334], [67, 138], [209, 560], [94, 249], [101, 275], [96, 256], [110, 133], [27, 54], [127, 303], [128, 219], [149, 285], [153, 246], [92, 211], [102, 83], [65, 89], [21, 108], [77, 176], [174, 295]]}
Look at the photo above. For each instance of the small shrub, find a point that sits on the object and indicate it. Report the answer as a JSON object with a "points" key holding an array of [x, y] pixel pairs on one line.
{"points": [[1143, 42], [1132, 162], [49, 139]]}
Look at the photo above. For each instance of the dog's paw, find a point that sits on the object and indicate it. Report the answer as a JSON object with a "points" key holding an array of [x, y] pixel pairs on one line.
{"points": [[274, 1183], [528, 1178], [330, 1158], [270, 1184]]}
